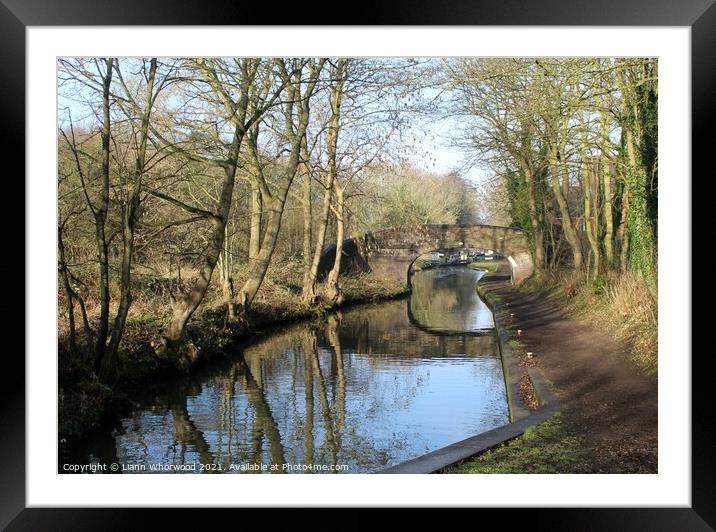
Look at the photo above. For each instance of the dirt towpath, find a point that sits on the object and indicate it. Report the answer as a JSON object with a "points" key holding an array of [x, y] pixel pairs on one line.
{"points": [[606, 401]]}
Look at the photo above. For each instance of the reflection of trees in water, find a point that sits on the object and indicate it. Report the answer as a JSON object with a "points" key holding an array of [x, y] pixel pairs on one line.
{"points": [[386, 332], [265, 420], [335, 342], [187, 438], [308, 426], [230, 439], [226, 440], [310, 351], [321, 429], [434, 294], [311, 394], [444, 299], [146, 433], [187, 435], [261, 429], [275, 357]]}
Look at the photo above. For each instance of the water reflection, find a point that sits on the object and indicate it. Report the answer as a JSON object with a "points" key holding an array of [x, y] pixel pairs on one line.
{"points": [[446, 301], [368, 388]]}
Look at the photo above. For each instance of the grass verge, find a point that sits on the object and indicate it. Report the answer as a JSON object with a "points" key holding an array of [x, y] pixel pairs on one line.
{"points": [[489, 265], [544, 448]]}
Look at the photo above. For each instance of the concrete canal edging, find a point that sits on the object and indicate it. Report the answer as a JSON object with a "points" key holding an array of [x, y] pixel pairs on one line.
{"points": [[520, 416]]}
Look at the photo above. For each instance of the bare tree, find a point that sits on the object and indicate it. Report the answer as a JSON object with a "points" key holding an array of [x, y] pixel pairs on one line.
{"points": [[232, 85], [96, 74], [337, 75], [300, 77], [501, 125]]}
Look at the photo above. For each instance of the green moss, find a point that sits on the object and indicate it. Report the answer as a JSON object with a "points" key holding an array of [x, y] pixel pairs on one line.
{"points": [[516, 345], [545, 448]]}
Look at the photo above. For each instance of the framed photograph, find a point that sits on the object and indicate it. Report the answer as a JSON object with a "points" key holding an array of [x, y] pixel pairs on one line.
{"points": [[420, 251]]}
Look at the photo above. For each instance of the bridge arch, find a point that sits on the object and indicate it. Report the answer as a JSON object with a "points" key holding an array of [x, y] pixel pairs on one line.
{"points": [[389, 252], [464, 256]]}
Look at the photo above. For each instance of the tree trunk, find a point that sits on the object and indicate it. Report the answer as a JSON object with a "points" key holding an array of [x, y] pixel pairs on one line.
{"points": [[307, 216], [537, 232], [256, 219], [333, 290], [624, 233], [642, 243], [100, 220], [588, 222], [641, 240], [570, 233], [591, 222], [263, 258], [607, 194], [552, 259], [125, 293], [225, 265], [296, 106], [184, 304], [129, 223], [69, 293], [309, 283]]}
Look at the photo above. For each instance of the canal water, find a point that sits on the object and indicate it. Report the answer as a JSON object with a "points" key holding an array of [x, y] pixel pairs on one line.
{"points": [[368, 388]]}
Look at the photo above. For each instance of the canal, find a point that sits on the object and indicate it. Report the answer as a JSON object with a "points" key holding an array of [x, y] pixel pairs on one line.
{"points": [[367, 388]]}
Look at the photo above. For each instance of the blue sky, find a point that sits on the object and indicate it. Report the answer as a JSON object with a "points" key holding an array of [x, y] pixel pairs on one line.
{"points": [[435, 154]]}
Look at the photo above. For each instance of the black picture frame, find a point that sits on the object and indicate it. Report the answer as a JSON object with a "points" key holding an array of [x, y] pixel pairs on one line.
{"points": [[699, 15]]}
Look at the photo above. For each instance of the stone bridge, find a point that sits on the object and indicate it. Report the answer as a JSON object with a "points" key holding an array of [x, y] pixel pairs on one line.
{"points": [[390, 252]]}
